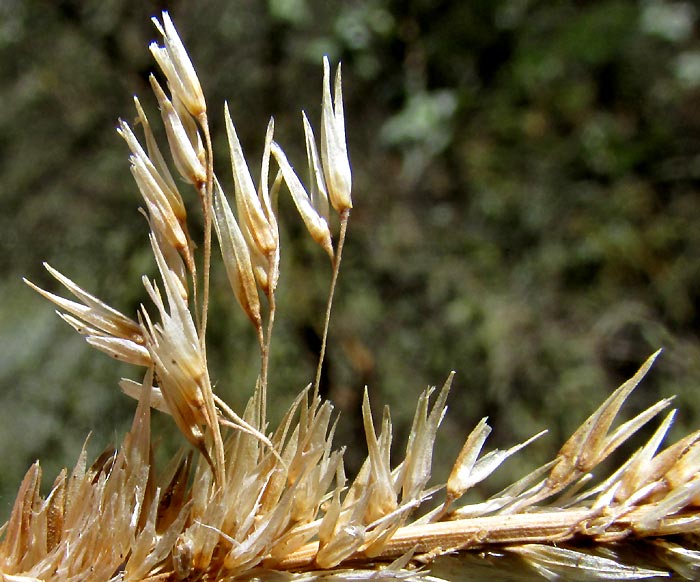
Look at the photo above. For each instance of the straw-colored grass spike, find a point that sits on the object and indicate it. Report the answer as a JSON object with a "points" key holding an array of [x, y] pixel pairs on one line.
{"points": [[187, 156], [267, 267], [156, 157], [165, 206], [250, 208], [460, 479], [593, 442], [236, 255], [274, 503], [383, 499], [317, 181], [315, 223], [259, 230], [177, 66], [102, 326], [181, 365], [334, 149]]}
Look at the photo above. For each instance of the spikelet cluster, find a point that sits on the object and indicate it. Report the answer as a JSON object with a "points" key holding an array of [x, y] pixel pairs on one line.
{"points": [[248, 501]]}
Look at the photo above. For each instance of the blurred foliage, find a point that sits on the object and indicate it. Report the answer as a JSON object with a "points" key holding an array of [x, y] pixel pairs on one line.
{"points": [[526, 206]]}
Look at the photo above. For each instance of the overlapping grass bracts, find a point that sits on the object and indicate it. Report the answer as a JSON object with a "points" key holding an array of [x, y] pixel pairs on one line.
{"points": [[252, 501]]}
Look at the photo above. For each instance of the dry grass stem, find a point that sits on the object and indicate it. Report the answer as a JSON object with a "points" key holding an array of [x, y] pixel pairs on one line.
{"points": [[253, 501]]}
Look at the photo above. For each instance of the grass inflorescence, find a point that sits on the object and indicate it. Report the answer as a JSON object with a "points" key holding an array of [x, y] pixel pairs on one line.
{"points": [[250, 500]]}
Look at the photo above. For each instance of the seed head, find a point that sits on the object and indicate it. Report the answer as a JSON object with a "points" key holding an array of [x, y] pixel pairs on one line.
{"points": [[165, 207], [175, 63], [186, 148], [334, 150], [250, 208], [315, 223], [102, 326], [236, 255]]}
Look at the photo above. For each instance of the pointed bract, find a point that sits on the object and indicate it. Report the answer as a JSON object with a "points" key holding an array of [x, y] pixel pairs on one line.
{"points": [[250, 208], [334, 149], [315, 223], [319, 192], [177, 66], [236, 255], [188, 156], [102, 326]]}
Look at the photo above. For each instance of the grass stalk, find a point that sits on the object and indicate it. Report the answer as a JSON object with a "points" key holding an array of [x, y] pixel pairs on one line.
{"points": [[344, 218]]}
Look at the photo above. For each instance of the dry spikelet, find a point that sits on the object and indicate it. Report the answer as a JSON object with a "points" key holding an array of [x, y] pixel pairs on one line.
{"points": [[268, 274], [165, 206], [179, 360], [383, 499], [102, 326], [250, 209], [236, 256], [334, 150], [155, 156], [314, 221], [469, 469], [593, 442], [177, 66], [319, 192], [187, 156], [416, 468]]}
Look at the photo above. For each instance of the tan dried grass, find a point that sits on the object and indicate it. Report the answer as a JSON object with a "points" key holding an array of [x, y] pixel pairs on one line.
{"points": [[277, 504]]}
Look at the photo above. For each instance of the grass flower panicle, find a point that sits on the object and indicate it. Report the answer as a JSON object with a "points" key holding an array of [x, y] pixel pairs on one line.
{"points": [[255, 501]]}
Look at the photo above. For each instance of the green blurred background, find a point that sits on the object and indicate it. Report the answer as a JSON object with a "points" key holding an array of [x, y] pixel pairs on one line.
{"points": [[526, 196]]}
